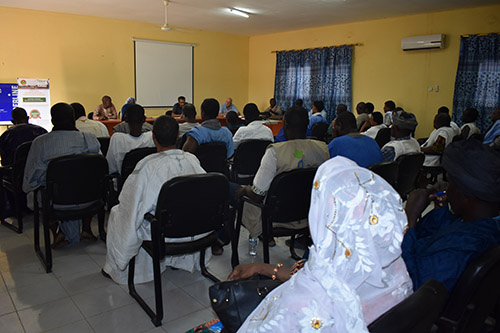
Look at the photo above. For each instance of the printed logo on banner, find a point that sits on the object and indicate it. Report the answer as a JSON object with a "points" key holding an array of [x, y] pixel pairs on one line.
{"points": [[35, 114]]}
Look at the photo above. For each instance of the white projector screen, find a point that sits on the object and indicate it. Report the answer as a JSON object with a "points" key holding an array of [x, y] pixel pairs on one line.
{"points": [[163, 72]]}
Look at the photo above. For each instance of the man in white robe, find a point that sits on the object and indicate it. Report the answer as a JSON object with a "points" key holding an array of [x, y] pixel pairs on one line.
{"points": [[126, 225], [438, 140]]}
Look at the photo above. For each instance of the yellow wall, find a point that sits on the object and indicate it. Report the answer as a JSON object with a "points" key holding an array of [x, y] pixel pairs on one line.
{"points": [[381, 70], [87, 57]]}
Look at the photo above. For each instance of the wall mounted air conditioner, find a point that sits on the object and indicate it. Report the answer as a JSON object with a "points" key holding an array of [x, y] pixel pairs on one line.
{"points": [[423, 42]]}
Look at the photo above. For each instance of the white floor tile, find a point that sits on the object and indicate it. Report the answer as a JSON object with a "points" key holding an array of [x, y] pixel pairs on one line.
{"points": [[82, 281], [146, 290], [6, 305], [101, 300], [176, 303], [50, 315], [199, 291], [129, 318], [78, 327], [29, 274], [70, 264], [10, 323], [183, 324], [37, 294]]}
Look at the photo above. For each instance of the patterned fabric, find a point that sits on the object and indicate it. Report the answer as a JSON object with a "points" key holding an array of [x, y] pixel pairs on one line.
{"points": [[322, 74], [355, 271], [478, 78]]}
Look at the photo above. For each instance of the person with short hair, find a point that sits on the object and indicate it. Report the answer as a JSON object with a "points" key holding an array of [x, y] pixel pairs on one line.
{"points": [[492, 137], [465, 222], [349, 143], [375, 125], [64, 139], [438, 140], [121, 143], [469, 127], [299, 102], [453, 125], [316, 115], [254, 129], [128, 102], [403, 124], [189, 115], [273, 111], [210, 129], [181, 101], [83, 124], [127, 228], [233, 122], [318, 107], [228, 106], [106, 110], [362, 115], [389, 107]]}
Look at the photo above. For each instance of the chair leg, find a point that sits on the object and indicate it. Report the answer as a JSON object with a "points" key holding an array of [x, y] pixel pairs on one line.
{"points": [[46, 258], [292, 248], [100, 223], [265, 240], [19, 215], [204, 270], [155, 317], [235, 260]]}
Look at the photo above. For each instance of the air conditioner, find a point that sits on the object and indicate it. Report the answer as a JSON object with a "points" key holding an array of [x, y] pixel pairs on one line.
{"points": [[423, 42]]}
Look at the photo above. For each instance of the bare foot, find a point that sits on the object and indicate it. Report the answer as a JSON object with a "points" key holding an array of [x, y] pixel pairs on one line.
{"points": [[59, 241]]}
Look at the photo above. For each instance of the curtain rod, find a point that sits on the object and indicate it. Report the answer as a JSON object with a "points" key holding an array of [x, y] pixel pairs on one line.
{"points": [[314, 48], [483, 34]]}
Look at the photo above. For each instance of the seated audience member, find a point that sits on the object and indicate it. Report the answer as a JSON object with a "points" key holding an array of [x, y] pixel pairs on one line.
{"points": [[349, 143], [233, 122], [453, 124], [318, 107], [181, 100], [18, 134], [469, 128], [295, 153], [127, 228], [403, 124], [121, 143], [438, 140], [341, 108], [355, 272], [189, 115], [440, 244], [228, 106], [129, 102], [363, 115], [318, 115], [375, 125], [124, 127], [64, 140], [106, 110], [299, 102], [281, 137], [273, 111], [210, 129], [492, 136], [254, 129], [389, 107], [88, 125]]}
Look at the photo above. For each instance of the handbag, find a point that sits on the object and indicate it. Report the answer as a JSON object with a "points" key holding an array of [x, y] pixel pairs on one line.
{"points": [[233, 301]]}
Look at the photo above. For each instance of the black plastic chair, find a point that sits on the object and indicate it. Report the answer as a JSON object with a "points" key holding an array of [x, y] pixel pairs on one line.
{"points": [[474, 296], [416, 314], [320, 131], [410, 166], [177, 219], [130, 161], [287, 200], [383, 136], [104, 141], [213, 157], [12, 181], [247, 159], [70, 180], [387, 170]]}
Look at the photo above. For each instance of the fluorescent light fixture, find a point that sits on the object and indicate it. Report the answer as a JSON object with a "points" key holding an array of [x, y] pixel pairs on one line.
{"points": [[238, 12]]}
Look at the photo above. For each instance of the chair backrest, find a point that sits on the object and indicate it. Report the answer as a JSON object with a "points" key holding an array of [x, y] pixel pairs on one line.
{"points": [[415, 314], [409, 172], [475, 294], [213, 157], [319, 130], [383, 136], [90, 115], [130, 161], [20, 157], [77, 179], [247, 159], [289, 195], [104, 141], [203, 206], [387, 170]]}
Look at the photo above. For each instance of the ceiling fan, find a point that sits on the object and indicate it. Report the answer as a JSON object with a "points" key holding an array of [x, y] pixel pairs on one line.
{"points": [[165, 26]]}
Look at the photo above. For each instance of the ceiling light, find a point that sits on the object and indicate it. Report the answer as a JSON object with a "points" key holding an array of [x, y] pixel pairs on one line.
{"points": [[238, 12]]}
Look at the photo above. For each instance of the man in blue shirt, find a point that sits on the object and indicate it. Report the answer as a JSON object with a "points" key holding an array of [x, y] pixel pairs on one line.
{"points": [[440, 245], [228, 106], [349, 143], [210, 129]]}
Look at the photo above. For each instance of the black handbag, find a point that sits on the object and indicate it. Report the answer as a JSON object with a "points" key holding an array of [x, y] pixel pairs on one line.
{"points": [[233, 301]]}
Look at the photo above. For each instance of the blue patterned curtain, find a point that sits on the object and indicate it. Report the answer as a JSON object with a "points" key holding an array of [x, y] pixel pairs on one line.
{"points": [[319, 74], [478, 78]]}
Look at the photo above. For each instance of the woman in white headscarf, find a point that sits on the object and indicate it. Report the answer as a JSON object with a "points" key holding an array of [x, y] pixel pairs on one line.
{"points": [[355, 271]]}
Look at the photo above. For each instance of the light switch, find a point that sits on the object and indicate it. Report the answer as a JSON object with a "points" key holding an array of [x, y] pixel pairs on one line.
{"points": [[436, 88]]}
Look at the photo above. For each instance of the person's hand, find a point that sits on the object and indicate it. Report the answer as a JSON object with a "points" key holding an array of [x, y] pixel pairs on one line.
{"points": [[438, 195], [244, 272], [418, 200], [241, 192]]}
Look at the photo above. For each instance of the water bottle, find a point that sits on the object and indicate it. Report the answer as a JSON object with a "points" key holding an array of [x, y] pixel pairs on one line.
{"points": [[252, 246]]}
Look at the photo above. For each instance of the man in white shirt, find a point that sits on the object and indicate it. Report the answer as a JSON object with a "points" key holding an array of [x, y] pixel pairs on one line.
{"points": [[438, 140], [228, 106], [469, 128], [376, 124], [88, 125], [189, 115], [453, 124], [127, 228], [389, 107], [255, 129], [403, 124], [121, 143]]}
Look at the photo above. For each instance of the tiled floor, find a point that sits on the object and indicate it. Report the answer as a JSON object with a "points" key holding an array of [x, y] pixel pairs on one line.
{"points": [[77, 298]]}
